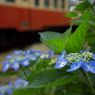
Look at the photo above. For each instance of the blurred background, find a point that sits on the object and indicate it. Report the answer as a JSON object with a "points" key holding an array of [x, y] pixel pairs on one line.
{"points": [[21, 20]]}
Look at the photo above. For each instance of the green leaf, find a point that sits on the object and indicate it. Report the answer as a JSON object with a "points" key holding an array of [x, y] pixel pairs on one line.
{"points": [[93, 48], [24, 91], [85, 15], [22, 75], [75, 42], [91, 77], [8, 74], [49, 35], [71, 14], [83, 6], [90, 37], [50, 78], [59, 44], [80, 21], [66, 35], [42, 65]]}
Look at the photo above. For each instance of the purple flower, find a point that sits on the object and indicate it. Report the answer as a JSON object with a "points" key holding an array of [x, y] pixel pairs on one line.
{"points": [[75, 66]]}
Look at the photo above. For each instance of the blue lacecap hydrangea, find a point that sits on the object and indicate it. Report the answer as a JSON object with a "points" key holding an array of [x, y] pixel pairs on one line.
{"points": [[20, 57], [8, 89], [84, 60]]}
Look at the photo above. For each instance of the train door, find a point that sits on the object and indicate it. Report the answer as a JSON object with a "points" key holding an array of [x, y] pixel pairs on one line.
{"points": [[25, 14]]}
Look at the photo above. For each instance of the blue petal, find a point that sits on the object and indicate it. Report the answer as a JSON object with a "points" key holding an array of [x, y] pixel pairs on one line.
{"points": [[48, 52], [9, 56], [10, 91], [25, 62], [92, 63], [6, 66], [93, 56], [85, 66], [18, 81], [60, 64], [17, 51], [82, 51], [32, 57], [75, 66], [11, 82], [2, 93], [25, 83], [17, 85], [62, 55], [38, 53], [15, 65]]}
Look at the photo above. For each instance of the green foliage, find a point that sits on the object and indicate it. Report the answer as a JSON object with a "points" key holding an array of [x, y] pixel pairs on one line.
{"points": [[50, 78], [83, 6], [75, 42], [8, 74], [71, 14]]}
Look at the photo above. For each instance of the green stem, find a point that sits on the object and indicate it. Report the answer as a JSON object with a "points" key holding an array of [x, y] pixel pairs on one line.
{"points": [[87, 80], [24, 71]]}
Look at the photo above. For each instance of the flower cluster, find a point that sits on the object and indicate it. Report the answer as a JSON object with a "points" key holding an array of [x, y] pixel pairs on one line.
{"points": [[21, 58], [8, 89], [84, 60], [73, 3]]}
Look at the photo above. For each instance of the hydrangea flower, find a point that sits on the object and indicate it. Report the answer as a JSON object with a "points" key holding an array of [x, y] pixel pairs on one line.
{"points": [[20, 82], [84, 60], [50, 52], [20, 57], [8, 89]]}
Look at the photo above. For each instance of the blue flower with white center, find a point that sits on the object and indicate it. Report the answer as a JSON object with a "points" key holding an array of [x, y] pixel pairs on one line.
{"points": [[89, 66], [50, 52], [32, 57], [24, 83], [62, 55], [6, 66], [17, 51], [9, 91], [93, 56], [75, 66], [32, 50], [9, 56], [61, 63], [15, 65], [2, 93], [38, 53], [20, 82], [25, 62]]}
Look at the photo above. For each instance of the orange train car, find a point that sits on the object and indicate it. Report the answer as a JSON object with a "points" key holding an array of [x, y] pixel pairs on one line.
{"points": [[33, 15]]}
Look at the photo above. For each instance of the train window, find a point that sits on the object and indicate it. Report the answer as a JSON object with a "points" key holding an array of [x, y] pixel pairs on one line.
{"points": [[37, 2], [46, 3], [9, 0], [55, 4], [62, 4]]}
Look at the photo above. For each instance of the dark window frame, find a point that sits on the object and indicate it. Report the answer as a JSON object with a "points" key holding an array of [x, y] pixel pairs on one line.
{"points": [[55, 4], [36, 2], [46, 3], [63, 2]]}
